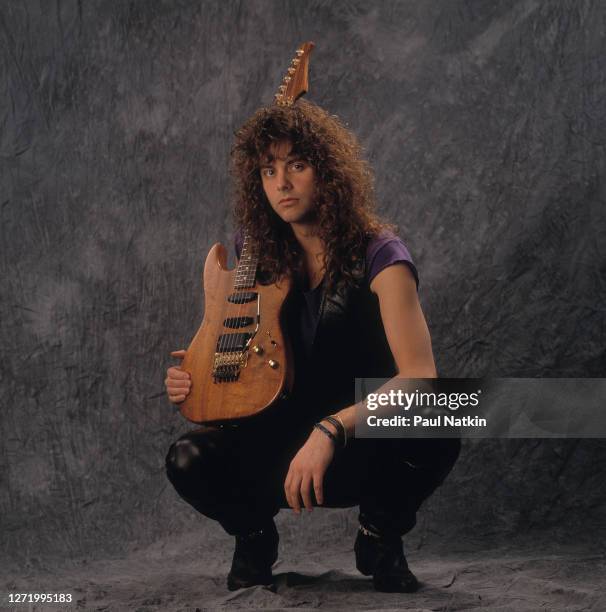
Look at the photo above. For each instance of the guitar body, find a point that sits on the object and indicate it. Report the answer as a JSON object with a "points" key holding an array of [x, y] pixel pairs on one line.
{"points": [[240, 361]]}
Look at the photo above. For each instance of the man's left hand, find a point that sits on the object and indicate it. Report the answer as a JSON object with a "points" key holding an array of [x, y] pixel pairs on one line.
{"points": [[307, 469]]}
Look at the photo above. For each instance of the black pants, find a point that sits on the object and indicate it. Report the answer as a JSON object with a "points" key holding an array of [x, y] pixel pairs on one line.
{"points": [[235, 475]]}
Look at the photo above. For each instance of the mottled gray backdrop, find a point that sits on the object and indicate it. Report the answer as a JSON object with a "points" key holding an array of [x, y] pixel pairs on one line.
{"points": [[485, 123]]}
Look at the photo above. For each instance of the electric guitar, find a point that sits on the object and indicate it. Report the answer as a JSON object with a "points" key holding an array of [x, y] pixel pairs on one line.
{"points": [[240, 360]]}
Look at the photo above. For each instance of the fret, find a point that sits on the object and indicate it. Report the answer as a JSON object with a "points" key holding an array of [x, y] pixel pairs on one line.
{"points": [[247, 267]]}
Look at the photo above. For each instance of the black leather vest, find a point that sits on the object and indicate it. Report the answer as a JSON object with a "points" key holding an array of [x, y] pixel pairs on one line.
{"points": [[349, 342]]}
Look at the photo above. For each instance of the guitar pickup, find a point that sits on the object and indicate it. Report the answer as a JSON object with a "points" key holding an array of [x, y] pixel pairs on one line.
{"points": [[235, 322], [242, 297], [232, 343]]}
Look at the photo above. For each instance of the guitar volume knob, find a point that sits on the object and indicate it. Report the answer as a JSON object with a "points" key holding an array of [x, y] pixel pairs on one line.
{"points": [[272, 363]]}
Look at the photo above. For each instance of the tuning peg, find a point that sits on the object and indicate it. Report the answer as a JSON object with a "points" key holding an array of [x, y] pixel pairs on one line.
{"points": [[287, 79], [296, 61], [299, 52], [291, 71], [282, 88]]}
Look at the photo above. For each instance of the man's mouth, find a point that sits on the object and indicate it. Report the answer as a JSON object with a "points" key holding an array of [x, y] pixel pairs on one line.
{"points": [[286, 200]]}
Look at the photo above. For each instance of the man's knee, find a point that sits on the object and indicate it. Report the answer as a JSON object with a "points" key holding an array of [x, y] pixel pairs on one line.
{"points": [[191, 453], [181, 455]]}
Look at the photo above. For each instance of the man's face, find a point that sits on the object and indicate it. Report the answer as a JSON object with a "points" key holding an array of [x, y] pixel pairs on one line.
{"points": [[288, 182]]}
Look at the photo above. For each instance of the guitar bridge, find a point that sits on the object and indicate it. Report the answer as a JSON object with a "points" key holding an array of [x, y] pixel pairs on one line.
{"points": [[227, 366]]}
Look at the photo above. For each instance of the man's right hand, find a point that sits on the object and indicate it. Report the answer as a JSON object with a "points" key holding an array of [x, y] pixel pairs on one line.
{"points": [[178, 382]]}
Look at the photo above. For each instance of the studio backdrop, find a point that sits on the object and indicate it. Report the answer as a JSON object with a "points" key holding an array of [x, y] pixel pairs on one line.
{"points": [[485, 125]]}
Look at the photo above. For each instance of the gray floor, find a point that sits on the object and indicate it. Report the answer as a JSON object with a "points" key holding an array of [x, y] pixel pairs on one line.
{"points": [[187, 573]]}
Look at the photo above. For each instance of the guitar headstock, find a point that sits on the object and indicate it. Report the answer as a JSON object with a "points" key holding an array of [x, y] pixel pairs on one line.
{"points": [[295, 83]]}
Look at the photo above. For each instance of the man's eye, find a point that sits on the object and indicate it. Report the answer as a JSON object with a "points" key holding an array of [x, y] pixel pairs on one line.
{"points": [[267, 171], [298, 165]]}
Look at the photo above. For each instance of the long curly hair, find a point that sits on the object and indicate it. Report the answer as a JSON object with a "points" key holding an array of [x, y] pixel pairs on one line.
{"points": [[344, 191]]}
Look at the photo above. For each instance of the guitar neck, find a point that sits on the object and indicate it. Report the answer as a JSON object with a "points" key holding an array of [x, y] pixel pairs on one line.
{"points": [[247, 266]]}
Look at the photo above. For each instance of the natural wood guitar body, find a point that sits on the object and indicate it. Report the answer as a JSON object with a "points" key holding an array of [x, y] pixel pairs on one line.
{"points": [[262, 372]]}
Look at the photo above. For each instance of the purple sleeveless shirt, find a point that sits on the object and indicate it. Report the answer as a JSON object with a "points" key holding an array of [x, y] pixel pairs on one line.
{"points": [[385, 249]]}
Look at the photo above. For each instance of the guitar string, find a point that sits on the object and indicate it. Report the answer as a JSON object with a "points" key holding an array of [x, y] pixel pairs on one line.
{"points": [[228, 346], [242, 282], [231, 340], [250, 273]]}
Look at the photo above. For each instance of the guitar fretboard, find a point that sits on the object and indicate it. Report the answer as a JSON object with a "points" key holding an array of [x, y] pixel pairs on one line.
{"points": [[247, 266]]}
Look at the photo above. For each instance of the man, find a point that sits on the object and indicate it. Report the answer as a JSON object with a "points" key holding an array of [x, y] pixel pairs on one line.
{"points": [[305, 198]]}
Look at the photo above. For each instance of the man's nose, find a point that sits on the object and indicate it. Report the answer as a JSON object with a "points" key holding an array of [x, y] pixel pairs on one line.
{"points": [[284, 183]]}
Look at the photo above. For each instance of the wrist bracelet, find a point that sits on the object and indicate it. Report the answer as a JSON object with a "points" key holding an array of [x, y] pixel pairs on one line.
{"points": [[338, 425], [345, 437], [326, 432]]}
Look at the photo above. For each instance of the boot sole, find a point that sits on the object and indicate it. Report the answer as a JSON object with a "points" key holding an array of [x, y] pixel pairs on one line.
{"points": [[233, 583]]}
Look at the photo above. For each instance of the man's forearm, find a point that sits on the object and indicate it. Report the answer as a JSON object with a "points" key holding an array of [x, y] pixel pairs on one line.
{"points": [[350, 414]]}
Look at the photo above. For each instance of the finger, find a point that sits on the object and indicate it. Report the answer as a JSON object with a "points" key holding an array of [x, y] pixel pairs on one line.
{"points": [[306, 493], [287, 487], [319, 488], [178, 393], [177, 383], [179, 354], [177, 399], [295, 501], [176, 372]]}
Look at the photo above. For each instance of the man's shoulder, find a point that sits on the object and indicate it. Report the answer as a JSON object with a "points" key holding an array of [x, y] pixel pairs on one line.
{"points": [[377, 241], [385, 249]]}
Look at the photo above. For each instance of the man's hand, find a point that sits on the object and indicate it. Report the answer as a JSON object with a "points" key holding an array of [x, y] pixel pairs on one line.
{"points": [[307, 469], [177, 381]]}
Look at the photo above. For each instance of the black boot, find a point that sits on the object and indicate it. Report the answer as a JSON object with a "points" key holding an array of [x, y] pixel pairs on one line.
{"points": [[255, 553], [383, 557]]}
